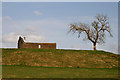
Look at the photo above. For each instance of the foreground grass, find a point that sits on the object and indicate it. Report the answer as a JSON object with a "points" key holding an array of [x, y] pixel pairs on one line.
{"points": [[56, 72]]}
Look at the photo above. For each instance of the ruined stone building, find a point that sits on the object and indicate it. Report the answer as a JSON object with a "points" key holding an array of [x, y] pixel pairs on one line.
{"points": [[22, 44]]}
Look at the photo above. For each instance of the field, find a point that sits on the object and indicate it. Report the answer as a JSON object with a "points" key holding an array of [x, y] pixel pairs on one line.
{"points": [[40, 63], [52, 72]]}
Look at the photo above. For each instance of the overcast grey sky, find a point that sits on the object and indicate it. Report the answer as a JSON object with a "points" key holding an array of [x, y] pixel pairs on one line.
{"points": [[49, 22]]}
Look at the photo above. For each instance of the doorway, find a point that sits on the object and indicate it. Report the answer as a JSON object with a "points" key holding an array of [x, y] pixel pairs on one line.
{"points": [[39, 46]]}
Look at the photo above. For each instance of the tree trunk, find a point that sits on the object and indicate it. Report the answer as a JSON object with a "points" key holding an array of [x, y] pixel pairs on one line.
{"points": [[94, 46]]}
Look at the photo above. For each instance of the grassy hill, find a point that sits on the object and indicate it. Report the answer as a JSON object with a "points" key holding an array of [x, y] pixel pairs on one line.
{"points": [[59, 58]]}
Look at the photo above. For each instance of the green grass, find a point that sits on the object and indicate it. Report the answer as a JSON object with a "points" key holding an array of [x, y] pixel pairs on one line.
{"points": [[55, 72]]}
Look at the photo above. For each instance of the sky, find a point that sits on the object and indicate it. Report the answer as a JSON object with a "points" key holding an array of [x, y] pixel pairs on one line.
{"points": [[49, 22]]}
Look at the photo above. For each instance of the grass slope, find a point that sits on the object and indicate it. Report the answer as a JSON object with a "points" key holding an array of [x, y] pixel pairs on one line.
{"points": [[59, 58]]}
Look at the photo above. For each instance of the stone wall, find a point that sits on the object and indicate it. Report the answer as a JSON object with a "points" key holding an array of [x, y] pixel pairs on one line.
{"points": [[40, 45], [22, 44]]}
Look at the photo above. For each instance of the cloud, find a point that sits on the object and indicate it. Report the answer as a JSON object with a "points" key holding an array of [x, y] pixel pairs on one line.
{"points": [[10, 38], [13, 37], [30, 28], [37, 13], [35, 38]]}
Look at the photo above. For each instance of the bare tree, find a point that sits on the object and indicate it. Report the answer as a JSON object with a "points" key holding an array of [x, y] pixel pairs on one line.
{"points": [[94, 33]]}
